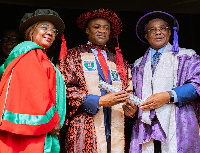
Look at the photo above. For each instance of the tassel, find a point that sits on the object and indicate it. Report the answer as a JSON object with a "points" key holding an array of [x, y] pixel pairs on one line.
{"points": [[175, 47], [63, 50], [120, 65]]}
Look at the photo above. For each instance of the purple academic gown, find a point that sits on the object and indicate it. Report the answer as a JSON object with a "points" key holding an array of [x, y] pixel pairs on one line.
{"points": [[187, 117]]}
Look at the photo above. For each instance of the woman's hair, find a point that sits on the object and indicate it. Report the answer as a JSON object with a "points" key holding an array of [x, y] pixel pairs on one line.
{"points": [[29, 32]]}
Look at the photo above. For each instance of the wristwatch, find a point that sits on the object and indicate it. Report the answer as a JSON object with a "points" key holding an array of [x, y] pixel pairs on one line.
{"points": [[171, 97]]}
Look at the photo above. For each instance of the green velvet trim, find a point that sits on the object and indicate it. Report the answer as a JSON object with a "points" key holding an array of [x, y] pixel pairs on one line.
{"points": [[21, 48], [60, 96], [51, 141], [52, 144], [29, 119]]}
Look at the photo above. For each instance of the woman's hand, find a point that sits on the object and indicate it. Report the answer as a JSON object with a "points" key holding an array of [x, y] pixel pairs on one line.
{"points": [[56, 129]]}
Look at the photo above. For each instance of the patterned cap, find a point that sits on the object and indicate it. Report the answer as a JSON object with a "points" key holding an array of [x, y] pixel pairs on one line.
{"points": [[144, 20], [42, 15], [110, 15]]}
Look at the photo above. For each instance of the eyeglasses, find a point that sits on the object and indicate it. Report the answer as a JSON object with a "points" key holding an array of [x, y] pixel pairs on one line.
{"points": [[12, 39], [45, 27], [161, 29]]}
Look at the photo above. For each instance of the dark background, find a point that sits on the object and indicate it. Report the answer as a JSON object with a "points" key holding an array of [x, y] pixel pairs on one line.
{"points": [[187, 12]]}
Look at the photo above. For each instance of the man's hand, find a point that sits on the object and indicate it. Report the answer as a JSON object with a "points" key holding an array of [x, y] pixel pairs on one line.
{"points": [[56, 129], [112, 99], [155, 101], [129, 109]]}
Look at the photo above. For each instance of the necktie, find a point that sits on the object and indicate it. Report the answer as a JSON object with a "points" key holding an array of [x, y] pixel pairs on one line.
{"points": [[155, 60], [103, 64]]}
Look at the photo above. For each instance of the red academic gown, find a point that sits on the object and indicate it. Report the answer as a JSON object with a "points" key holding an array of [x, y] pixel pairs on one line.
{"points": [[28, 109]]}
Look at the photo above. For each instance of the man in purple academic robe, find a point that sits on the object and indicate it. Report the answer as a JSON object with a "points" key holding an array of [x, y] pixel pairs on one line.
{"points": [[167, 77]]}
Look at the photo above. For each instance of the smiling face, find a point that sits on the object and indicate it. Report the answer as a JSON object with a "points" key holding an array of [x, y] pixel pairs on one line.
{"points": [[157, 33], [43, 34], [98, 31]]}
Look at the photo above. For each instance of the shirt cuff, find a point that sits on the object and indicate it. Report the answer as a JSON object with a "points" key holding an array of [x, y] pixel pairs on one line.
{"points": [[175, 96]]}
